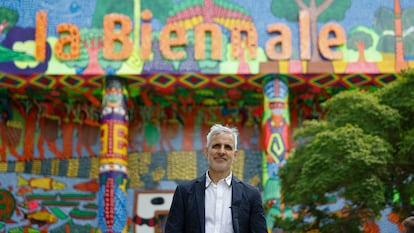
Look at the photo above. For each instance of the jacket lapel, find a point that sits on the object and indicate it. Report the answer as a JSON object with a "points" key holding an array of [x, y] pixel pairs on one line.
{"points": [[235, 202], [200, 194]]}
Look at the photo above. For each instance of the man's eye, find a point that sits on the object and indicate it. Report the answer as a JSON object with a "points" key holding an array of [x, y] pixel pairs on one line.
{"points": [[216, 146]]}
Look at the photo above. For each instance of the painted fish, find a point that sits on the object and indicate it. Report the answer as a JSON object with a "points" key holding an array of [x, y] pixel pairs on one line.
{"points": [[45, 183], [41, 218], [89, 186]]}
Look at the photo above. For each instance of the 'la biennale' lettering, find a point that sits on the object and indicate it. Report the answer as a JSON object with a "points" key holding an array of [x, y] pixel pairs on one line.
{"points": [[118, 27]]}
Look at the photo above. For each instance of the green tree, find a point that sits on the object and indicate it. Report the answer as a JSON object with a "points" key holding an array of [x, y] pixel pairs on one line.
{"points": [[8, 19], [361, 155], [91, 60], [408, 26], [359, 41], [400, 96], [385, 27], [319, 11], [104, 7]]}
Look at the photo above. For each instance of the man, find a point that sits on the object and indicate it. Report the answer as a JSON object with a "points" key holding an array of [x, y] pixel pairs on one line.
{"points": [[217, 202], [408, 224]]}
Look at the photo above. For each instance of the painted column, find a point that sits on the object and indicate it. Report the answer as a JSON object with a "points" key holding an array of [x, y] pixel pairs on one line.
{"points": [[275, 137], [400, 62], [113, 177]]}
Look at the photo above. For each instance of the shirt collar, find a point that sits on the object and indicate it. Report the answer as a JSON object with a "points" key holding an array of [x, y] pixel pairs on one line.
{"points": [[227, 179]]}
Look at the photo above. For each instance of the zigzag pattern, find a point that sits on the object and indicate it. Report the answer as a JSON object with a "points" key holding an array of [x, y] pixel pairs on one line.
{"points": [[194, 80]]}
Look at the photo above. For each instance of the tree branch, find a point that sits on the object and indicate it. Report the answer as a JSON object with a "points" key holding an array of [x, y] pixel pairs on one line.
{"points": [[323, 6], [302, 5]]}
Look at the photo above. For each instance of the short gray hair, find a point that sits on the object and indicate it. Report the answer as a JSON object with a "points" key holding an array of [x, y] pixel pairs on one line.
{"points": [[220, 129]]}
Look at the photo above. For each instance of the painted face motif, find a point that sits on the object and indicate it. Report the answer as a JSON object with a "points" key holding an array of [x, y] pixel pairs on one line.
{"points": [[221, 153], [114, 98]]}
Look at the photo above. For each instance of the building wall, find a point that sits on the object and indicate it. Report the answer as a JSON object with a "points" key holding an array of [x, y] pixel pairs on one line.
{"points": [[49, 158]]}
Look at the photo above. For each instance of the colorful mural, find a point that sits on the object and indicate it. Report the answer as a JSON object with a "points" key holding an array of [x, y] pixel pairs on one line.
{"points": [[273, 36], [113, 158], [160, 154], [275, 136], [185, 65]]}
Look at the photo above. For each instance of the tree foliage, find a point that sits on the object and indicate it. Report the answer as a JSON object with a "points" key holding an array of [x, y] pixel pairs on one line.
{"points": [[361, 154], [385, 27], [359, 36], [407, 22], [8, 17], [92, 41], [125, 7], [319, 11], [289, 9]]}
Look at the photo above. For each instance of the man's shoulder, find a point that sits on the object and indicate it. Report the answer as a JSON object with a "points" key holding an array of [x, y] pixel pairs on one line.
{"points": [[246, 185]]}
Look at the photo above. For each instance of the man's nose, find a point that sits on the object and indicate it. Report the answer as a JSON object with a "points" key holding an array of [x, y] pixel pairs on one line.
{"points": [[222, 149]]}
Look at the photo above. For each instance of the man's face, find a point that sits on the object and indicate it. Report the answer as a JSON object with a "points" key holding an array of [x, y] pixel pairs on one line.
{"points": [[221, 153]]}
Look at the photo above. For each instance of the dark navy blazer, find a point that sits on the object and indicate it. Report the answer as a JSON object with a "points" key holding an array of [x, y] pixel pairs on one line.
{"points": [[187, 214]]}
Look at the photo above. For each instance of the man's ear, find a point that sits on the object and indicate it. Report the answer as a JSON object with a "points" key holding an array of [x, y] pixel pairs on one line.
{"points": [[206, 152]]}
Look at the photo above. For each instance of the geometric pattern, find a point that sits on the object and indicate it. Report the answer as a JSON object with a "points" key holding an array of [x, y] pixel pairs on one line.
{"points": [[324, 80], [72, 81], [384, 79], [229, 81], [75, 167], [238, 165], [11, 81], [181, 165], [361, 79], [162, 80], [43, 81], [195, 80]]}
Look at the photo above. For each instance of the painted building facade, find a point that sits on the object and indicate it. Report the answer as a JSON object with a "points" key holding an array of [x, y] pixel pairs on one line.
{"points": [[166, 70]]}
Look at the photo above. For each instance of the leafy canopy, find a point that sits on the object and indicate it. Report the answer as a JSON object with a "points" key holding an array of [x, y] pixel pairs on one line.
{"points": [[361, 154]]}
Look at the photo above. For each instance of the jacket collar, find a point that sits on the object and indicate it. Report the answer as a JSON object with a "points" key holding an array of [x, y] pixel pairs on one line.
{"points": [[236, 197], [200, 196], [228, 179]]}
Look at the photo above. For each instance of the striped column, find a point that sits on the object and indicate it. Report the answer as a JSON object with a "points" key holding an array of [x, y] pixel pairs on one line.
{"points": [[275, 137], [113, 177], [400, 62]]}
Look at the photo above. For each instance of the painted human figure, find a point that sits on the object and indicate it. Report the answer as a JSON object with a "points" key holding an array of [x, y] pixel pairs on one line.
{"points": [[228, 112], [49, 124], [169, 126], [149, 113], [246, 127], [68, 125], [188, 112], [10, 136], [135, 129], [88, 131], [257, 115], [30, 116], [206, 123]]}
